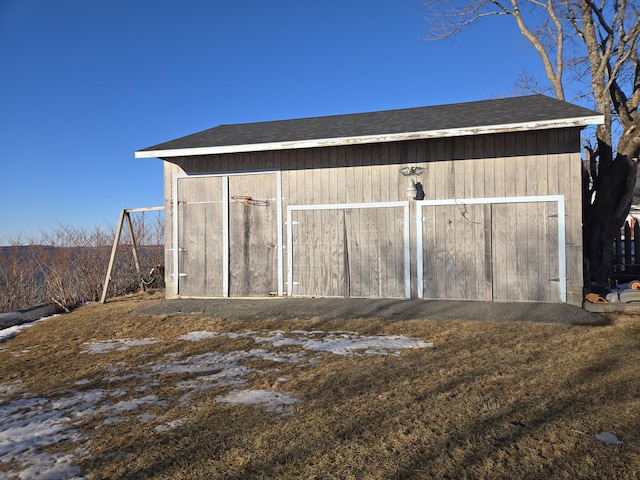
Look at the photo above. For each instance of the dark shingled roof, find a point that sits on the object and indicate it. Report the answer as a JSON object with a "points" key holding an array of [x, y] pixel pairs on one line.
{"points": [[504, 111]]}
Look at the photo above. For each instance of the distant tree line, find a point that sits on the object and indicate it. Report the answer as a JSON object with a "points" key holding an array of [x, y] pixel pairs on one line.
{"points": [[68, 265]]}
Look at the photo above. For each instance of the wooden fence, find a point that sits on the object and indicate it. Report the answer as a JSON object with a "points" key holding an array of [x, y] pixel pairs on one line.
{"points": [[626, 260]]}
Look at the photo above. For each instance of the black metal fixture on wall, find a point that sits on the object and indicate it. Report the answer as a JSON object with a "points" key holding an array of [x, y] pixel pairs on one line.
{"points": [[414, 189]]}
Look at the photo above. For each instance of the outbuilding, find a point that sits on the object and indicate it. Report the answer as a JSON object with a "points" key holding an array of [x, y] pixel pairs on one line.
{"points": [[474, 201]]}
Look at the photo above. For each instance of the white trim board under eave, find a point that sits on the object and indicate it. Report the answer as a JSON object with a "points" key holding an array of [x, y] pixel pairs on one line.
{"points": [[378, 138]]}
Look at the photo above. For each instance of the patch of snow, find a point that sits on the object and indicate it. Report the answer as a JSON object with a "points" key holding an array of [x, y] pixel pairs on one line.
{"points": [[347, 343], [77, 399], [206, 362], [245, 334], [146, 417], [117, 393], [9, 388], [198, 335], [7, 333], [276, 401], [340, 342], [119, 345], [30, 425], [129, 405], [10, 332], [169, 425], [277, 357], [112, 421], [219, 379], [124, 378], [608, 438], [278, 340]]}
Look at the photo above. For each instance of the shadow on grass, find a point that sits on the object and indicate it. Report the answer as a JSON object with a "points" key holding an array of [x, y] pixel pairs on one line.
{"points": [[427, 414], [371, 423]]}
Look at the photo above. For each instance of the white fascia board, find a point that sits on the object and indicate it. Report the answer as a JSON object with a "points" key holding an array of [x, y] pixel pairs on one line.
{"points": [[381, 138]]}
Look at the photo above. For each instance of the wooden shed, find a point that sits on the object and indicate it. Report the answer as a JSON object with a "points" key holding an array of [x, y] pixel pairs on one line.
{"points": [[474, 201]]}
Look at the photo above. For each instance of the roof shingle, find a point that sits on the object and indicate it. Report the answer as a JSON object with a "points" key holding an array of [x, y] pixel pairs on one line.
{"points": [[486, 113]]}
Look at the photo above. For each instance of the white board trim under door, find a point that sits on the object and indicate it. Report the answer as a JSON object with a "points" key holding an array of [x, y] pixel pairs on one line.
{"points": [[562, 254], [344, 206]]}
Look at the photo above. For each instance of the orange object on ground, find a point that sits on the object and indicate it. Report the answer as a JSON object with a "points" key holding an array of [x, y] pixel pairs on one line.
{"points": [[594, 298]]}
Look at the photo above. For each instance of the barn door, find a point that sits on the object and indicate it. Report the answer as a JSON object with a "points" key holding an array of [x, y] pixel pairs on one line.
{"points": [[200, 236], [319, 262], [349, 251], [525, 252], [227, 238], [454, 252], [374, 246], [493, 251], [253, 239]]}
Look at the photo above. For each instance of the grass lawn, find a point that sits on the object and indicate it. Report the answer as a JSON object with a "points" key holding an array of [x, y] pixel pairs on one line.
{"points": [[102, 393]]}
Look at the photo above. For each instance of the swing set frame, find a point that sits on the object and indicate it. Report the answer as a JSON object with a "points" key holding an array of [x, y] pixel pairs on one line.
{"points": [[125, 216]]}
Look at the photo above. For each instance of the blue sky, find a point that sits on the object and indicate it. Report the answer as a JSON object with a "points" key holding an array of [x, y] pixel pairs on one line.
{"points": [[84, 84]]}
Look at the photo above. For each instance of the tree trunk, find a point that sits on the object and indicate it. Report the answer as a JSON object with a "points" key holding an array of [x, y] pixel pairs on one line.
{"points": [[614, 187]]}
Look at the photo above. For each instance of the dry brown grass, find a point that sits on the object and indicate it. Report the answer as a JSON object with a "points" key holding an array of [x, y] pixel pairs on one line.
{"points": [[492, 400]]}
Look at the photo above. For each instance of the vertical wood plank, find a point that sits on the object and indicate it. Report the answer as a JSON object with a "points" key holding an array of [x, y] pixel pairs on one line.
{"points": [[430, 277], [552, 252], [341, 194], [333, 184], [488, 254], [553, 184], [431, 171]]}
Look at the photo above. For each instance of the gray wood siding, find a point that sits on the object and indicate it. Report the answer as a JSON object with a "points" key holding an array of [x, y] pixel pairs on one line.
{"points": [[545, 162]]}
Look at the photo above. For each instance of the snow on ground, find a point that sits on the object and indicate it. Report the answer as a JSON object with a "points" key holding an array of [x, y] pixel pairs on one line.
{"points": [[275, 401], [30, 424], [7, 333], [344, 343], [120, 345]]}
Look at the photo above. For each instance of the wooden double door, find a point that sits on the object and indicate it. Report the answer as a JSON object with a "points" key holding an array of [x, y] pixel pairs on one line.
{"points": [[493, 251], [350, 250], [227, 240]]}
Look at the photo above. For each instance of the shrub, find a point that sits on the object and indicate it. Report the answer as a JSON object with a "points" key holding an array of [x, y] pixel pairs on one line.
{"points": [[68, 265]]}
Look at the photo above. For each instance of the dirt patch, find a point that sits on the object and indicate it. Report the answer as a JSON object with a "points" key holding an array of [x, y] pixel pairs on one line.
{"points": [[384, 309]]}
